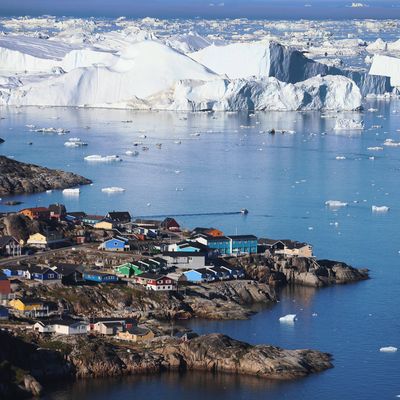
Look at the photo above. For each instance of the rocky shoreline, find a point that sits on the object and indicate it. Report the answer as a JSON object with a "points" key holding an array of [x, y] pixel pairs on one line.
{"points": [[30, 364], [17, 178]]}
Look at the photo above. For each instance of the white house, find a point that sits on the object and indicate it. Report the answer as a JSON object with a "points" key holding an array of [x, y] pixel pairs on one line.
{"points": [[184, 259], [62, 327]]}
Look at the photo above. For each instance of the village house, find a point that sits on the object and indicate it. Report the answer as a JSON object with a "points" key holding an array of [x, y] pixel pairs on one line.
{"points": [[286, 247], [128, 270], [101, 325], [99, 277], [14, 270], [188, 246], [170, 224], [49, 239], [155, 282], [106, 225], [184, 259], [155, 265], [148, 223], [69, 274], [9, 246], [5, 287], [4, 314], [115, 244], [62, 327], [38, 213], [42, 274], [33, 307], [136, 334], [119, 217], [57, 211], [92, 219], [200, 275], [207, 231], [229, 245]]}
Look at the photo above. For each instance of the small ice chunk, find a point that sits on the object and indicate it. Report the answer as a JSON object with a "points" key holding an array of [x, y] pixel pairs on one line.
{"points": [[71, 192], [375, 148], [380, 209], [289, 318], [388, 349], [335, 203], [113, 189], [348, 124], [340, 157]]}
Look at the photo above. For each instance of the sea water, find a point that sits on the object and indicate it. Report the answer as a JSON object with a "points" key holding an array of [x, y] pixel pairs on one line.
{"points": [[284, 181]]}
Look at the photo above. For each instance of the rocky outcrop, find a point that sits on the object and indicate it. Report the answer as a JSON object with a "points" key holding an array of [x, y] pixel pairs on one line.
{"points": [[220, 300], [17, 177], [280, 270], [214, 353], [1, 140]]}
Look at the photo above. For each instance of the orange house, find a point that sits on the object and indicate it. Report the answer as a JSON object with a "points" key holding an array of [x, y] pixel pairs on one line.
{"points": [[214, 232], [36, 213]]}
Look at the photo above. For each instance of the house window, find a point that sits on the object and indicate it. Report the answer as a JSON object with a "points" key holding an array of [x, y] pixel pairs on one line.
{"points": [[51, 275]]}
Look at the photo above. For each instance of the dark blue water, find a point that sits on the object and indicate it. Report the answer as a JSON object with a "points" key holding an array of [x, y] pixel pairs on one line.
{"points": [[284, 181]]}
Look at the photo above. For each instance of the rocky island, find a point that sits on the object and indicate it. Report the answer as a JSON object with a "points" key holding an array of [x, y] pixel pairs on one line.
{"points": [[17, 178], [32, 359]]}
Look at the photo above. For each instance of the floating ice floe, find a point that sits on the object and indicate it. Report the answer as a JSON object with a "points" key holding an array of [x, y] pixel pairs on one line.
{"points": [[75, 142], [335, 203], [71, 192], [289, 318], [388, 349], [375, 148], [340, 157], [380, 209], [348, 125], [49, 191], [59, 131], [391, 143], [131, 153], [99, 158], [113, 189]]}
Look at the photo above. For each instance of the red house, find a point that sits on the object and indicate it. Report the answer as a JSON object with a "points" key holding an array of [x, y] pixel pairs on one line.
{"points": [[36, 213], [5, 288], [155, 282], [170, 224]]}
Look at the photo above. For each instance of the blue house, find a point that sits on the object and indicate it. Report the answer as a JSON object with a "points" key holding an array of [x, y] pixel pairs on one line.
{"points": [[12, 271], [115, 244], [243, 244], [99, 277], [190, 247], [3, 313], [219, 244], [194, 276], [41, 274]]}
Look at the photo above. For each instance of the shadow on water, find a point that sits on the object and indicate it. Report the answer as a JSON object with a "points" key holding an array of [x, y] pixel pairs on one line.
{"points": [[168, 385]]}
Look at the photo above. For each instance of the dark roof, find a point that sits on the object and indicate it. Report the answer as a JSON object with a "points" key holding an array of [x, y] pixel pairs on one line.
{"points": [[68, 269], [135, 330], [77, 214], [66, 322], [242, 237], [183, 254], [292, 244], [148, 275], [4, 240], [57, 208], [95, 217], [31, 301], [112, 324], [269, 241], [216, 238], [38, 269], [119, 216]]}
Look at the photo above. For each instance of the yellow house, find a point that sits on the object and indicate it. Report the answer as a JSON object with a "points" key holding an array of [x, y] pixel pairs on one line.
{"points": [[42, 241], [136, 335], [106, 225], [26, 304]]}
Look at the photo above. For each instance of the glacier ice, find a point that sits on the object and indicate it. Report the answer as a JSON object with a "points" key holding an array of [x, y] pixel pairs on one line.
{"points": [[289, 318]]}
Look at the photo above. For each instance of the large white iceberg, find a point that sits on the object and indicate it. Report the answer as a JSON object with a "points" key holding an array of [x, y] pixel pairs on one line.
{"points": [[386, 66]]}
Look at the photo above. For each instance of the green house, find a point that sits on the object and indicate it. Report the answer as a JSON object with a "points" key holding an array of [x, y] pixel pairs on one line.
{"points": [[128, 270]]}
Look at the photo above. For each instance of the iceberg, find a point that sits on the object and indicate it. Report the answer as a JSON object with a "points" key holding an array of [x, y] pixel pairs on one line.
{"points": [[113, 189], [335, 203], [99, 158], [289, 318], [388, 349], [380, 209], [71, 192], [386, 66], [391, 143], [348, 125]]}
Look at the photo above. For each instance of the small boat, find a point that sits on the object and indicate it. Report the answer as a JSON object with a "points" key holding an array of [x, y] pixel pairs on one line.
{"points": [[244, 211]]}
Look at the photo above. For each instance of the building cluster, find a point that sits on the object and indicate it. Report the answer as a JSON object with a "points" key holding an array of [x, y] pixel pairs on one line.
{"points": [[160, 257]]}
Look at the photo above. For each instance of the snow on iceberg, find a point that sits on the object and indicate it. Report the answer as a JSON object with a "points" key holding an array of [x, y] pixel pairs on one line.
{"points": [[289, 318], [388, 349], [149, 75], [380, 209], [386, 66], [348, 125]]}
